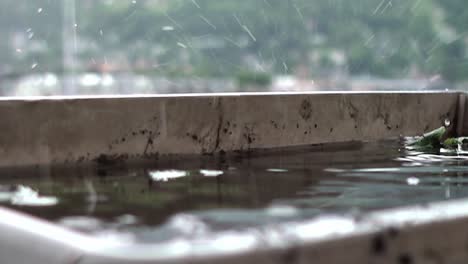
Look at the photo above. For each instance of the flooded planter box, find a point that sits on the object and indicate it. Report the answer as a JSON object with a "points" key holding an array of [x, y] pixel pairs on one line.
{"points": [[258, 178]]}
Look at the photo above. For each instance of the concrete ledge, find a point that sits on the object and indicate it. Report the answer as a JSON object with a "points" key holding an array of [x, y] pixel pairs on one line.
{"points": [[40, 131]]}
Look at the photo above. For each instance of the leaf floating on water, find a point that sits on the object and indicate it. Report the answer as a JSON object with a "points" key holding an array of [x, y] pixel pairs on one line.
{"points": [[431, 139], [451, 143], [459, 144], [437, 140]]}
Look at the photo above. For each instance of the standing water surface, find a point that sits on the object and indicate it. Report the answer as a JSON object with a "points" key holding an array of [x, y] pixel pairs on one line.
{"points": [[170, 198]]}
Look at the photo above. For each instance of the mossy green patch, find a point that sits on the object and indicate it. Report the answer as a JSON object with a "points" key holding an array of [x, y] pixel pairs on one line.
{"points": [[451, 143], [431, 139]]}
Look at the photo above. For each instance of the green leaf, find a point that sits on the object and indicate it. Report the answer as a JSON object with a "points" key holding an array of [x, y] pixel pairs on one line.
{"points": [[451, 143], [431, 139]]}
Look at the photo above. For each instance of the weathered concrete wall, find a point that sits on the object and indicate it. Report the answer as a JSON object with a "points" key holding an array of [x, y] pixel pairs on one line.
{"points": [[60, 130]]}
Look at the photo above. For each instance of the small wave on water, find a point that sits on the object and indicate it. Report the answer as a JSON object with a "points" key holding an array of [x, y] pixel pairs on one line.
{"points": [[184, 200]]}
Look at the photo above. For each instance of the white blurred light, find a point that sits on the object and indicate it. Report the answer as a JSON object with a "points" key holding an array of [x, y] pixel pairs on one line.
{"points": [[211, 173], [167, 175]]}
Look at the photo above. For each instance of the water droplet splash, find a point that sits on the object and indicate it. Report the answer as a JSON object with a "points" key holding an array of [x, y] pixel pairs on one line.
{"points": [[447, 122], [167, 175], [25, 196]]}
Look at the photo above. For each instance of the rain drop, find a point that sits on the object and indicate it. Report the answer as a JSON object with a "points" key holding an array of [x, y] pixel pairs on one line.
{"points": [[39, 10], [412, 181], [34, 65], [182, 45], [168, 28]]}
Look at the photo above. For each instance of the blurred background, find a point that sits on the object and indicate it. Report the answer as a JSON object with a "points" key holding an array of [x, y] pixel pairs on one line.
{"points": [[68, 47]]}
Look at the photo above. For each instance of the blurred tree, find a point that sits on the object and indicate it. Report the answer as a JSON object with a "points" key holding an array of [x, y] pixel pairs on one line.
{"points": [[384, 38]]}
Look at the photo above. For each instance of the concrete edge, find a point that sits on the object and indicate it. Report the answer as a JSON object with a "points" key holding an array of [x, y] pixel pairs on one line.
{"points": [[119, 129], [117, 96]]}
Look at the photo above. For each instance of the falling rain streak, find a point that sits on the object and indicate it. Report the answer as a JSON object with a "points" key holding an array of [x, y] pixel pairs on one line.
{"points": [[382, 7], [196, 4], [246, 29], [207, 22], [298, 45], [182, 45]]}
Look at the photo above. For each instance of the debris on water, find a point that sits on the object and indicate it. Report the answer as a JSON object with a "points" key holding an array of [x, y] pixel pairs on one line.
{"points": [[451, 143], [459, 144], [430, 140]]}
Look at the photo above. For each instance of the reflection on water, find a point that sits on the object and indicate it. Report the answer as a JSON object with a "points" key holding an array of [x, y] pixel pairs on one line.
{"points": [[173, 198], [211, 173], [167, 175]]}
